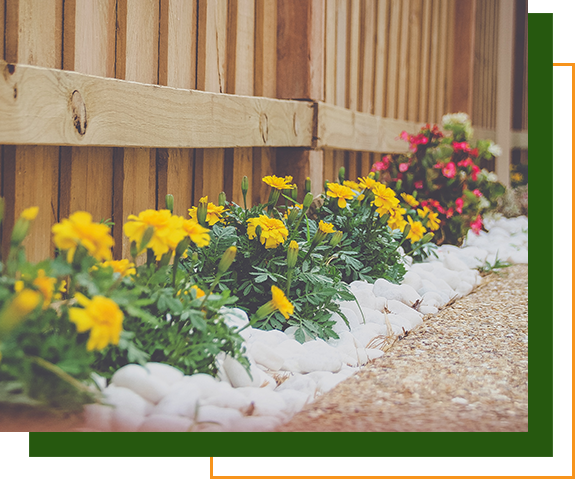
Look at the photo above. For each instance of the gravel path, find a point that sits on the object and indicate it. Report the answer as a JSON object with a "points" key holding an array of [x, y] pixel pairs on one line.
{"points": [[464, 369]]}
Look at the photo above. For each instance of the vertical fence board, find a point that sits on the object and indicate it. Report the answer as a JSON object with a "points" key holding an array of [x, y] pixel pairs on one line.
{"points": [[33, 35], [86, 173], [367, 55], [265, 85], [137, 60], [425, 58], [414, 60], [442, 58], [330, 53], [434, 63], [240, 81], [341, 52], [211, 76], [177, 68], [382, 30], [329, 173], [463, 53], [403, 62], [393, 58], [353, 54]]}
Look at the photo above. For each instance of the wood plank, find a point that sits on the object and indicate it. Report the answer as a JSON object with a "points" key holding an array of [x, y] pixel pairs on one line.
{"points": [[300, 164], [414, 60], [478, 54], [264, 164], [265, 48], [240, 73], [86, 173], [341, 128], [33, 35], [330, 53], [451, 63], [393, 59], [425, 59], [434, 63], [368, 55], [300, 50], [504, 89], [211, 76], [341, 53], [177, 68], [441, 63], [382, 30], [329, 174], [354, 68], [172, 117], [136, 60], [403, 66]]}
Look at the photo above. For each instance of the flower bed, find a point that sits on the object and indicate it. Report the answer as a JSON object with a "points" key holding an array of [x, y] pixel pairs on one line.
{"points": [[236, 317]]}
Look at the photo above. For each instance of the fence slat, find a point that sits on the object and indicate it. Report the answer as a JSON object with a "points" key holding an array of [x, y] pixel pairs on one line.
{"points": [[442, 59], [367, 55], [86, 173], [136, 60], [382, 30], [393, 59], [403, 62], [434, 63], [341, 53], [33, 35], [330, 53], [354, 54], [425, 59], [414, 60]]}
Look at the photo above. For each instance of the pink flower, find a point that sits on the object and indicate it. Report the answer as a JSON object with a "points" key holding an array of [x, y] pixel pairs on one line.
{"points": [[449, 170], [464, 163], [473, 152], [478, 193], [418, 184], [460, 146], [438, 165], [459, 205], [403, 167], [404, 135], [476, 225], [475, 172], [377, 166], [449, 213]]}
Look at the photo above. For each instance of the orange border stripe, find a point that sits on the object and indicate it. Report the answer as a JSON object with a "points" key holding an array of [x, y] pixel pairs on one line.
{"points": [[562, 463]]}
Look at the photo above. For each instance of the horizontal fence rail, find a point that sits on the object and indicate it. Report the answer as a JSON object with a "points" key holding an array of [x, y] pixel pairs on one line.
{"points": [[43, 106]]}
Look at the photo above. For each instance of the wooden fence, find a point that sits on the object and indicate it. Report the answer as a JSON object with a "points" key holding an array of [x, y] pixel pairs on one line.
{"points": [[108, 105]]}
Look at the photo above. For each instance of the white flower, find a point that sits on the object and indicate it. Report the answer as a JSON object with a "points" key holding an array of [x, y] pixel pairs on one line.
{"points": [[484, 203], [495, 149], [455, 118], [491, 177]]}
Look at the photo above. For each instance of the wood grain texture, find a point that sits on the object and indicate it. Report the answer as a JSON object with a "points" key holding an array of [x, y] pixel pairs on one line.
{"points": [[382, 31], [341, 53], [264, 164], [136, 60], [393, 58], [403, 66], [265, 48], [340, 128], [354, 67], [425, 61], [86, 173], [330, 52], [33, 35], [117, 114], [367, 55], [414, 61], [433, 64], [300, 164], [464, 46]]}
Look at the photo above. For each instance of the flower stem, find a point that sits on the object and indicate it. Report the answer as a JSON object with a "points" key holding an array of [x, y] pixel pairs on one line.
{"points": [[60, 373]]}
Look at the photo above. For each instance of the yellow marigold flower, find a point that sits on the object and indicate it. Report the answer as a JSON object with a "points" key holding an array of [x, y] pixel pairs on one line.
{"points": [[407, 198], [352, 185], [326, 227], [299, 207], [385, 199], [199, 292], [46, 285], [168, 231], [123, 267], [21, 305], [273, 231], [341, 192], [79, 229], [99, 315], [29, 213], [367, 183], [18, 286], [214, 214], [433, 220], [516, 177], [396, 220], [204, 199], [281, 303], [416, 232], [278, 183], [197, 233]]}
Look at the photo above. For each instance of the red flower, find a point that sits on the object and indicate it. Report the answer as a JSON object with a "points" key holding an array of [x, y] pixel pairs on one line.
{"points": [[476, 225], [478, 193], [464, 163], [473, 152], [418, 184], [449, 213], [403, 167], [459, 205], [377, 166], [475, 172], [460, 146], [449, 170], [438, 165]]}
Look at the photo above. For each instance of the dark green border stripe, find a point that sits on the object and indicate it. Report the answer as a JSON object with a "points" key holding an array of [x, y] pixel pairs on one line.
{"points": [[536, 442]]}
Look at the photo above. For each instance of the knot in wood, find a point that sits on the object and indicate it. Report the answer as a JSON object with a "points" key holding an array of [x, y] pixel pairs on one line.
{"points": [[264, 126], [295, 124], [79, 113]]}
